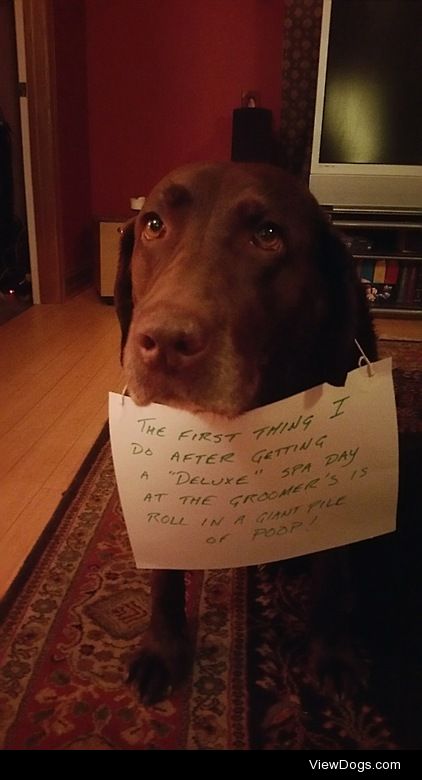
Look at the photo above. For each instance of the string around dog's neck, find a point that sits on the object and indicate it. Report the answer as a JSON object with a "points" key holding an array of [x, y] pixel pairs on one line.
{"points": [[364, 359]]}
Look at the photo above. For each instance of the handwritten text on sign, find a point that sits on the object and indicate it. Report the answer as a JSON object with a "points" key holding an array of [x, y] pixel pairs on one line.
{"points": [[315, 471]]}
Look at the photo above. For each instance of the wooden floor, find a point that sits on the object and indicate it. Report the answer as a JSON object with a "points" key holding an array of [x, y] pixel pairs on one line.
{"points": [[58, 363]]}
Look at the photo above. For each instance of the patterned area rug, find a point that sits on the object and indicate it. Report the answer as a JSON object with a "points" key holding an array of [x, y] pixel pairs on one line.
{"points": [[68, 637], [407, 373]]}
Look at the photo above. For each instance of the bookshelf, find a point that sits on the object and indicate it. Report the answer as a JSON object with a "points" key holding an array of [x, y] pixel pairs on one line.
{"points": [[387, 245]]}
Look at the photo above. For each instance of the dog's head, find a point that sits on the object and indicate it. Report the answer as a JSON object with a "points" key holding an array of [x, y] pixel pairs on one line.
{"points": [[233, 291]]}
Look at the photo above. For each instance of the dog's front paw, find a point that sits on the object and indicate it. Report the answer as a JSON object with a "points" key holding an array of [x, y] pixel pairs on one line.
{"points": [[163, 663]]}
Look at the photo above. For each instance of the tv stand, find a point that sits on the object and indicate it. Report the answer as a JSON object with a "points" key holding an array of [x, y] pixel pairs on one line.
{"points": [[387, 245]]}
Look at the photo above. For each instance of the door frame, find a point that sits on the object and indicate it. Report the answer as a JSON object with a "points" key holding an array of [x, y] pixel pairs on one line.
{"points": [[38, 99]]}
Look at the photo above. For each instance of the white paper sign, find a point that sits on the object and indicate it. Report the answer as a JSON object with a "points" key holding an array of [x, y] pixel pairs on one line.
{"points": [[315, 471]]}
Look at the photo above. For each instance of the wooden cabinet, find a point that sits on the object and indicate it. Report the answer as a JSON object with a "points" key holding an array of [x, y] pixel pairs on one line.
{"points": [[387, 245], [108, 255]]}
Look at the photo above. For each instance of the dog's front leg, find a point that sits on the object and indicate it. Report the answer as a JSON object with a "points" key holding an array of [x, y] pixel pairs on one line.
{"points": [[166, 653], [334, 660]]}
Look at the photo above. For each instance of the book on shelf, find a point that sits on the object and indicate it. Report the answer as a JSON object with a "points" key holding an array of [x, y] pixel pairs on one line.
{"points": [[418, 287], [390, 282], [407, 295]]}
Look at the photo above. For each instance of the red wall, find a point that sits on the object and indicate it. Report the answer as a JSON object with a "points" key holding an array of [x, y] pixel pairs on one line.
{"points": [[73, 141], [163, 77]]}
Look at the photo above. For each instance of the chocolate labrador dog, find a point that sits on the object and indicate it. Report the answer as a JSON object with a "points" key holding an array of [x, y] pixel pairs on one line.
{"points": [[233, 291]]}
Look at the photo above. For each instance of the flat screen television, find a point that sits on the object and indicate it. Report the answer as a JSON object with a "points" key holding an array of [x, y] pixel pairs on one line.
{"points": [[367, 141]]}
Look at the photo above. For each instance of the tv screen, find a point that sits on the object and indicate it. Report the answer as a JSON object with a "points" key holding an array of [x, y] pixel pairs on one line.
{"points": [[373, 96], [367, 142]]}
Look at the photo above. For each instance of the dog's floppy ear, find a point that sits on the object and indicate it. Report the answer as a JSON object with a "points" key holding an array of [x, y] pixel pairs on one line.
{"points": [[123, 285], [347, 315]]}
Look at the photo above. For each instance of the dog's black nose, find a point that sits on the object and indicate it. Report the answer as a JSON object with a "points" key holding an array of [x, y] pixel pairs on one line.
{"points": [[175, 345]]}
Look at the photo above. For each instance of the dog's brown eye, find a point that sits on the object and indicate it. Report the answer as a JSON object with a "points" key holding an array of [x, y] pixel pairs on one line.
{"points": [[154, 227], [268, 236]]}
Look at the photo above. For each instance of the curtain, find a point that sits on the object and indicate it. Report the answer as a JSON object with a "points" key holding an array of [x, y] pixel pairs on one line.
{"points": [[301, 36]]}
